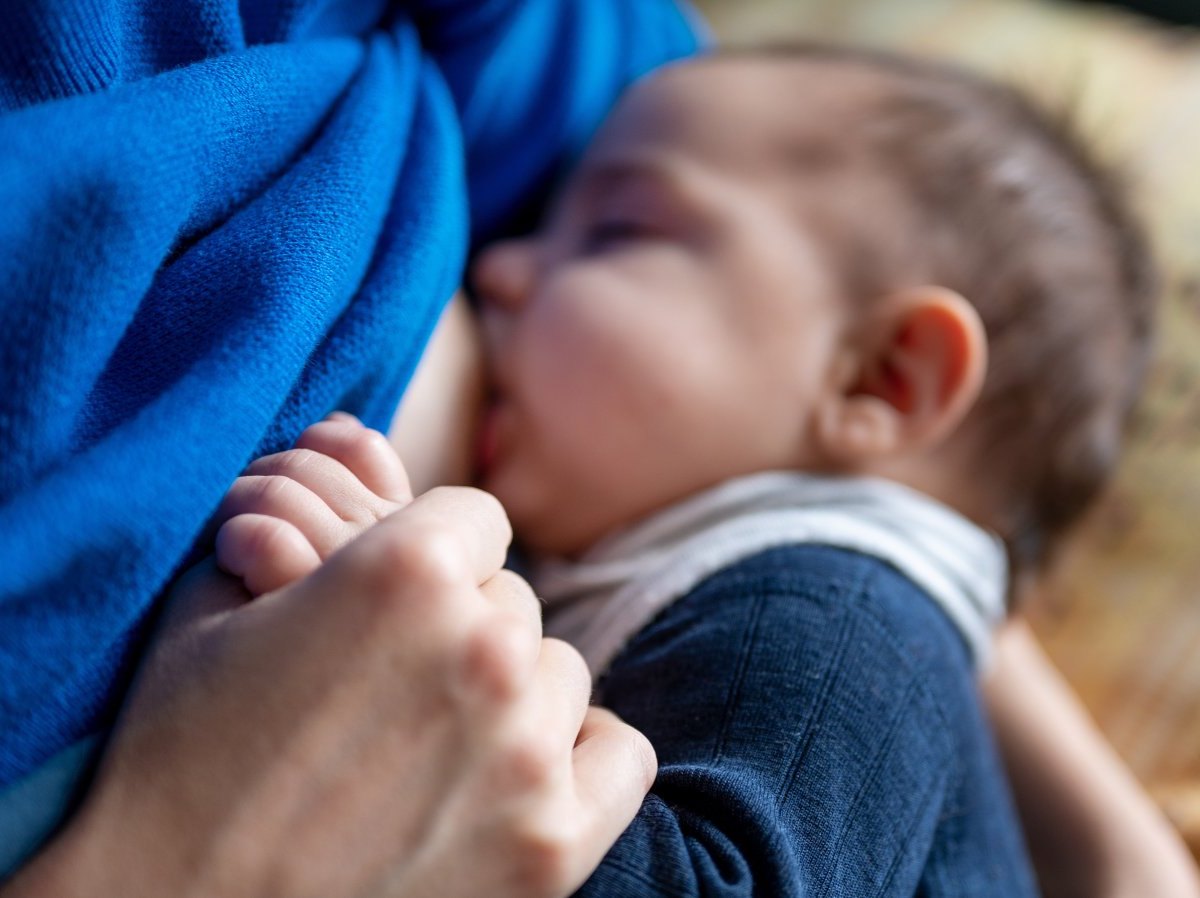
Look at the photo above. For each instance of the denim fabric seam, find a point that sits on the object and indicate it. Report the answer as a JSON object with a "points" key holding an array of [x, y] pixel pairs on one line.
{"points": [[745, 653], [895, 867], [914, 668], [800, 753], [781, 585], [869, 781]]}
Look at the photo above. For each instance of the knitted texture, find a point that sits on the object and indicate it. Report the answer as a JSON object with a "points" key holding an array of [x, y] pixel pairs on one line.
{"points": [[220, 222]]}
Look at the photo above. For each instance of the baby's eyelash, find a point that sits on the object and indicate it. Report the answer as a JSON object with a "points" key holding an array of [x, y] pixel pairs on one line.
{"points": [[609, 233]]}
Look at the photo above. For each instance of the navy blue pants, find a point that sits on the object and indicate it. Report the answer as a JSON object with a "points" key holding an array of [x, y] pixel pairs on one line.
{"points": [[819, 733]]}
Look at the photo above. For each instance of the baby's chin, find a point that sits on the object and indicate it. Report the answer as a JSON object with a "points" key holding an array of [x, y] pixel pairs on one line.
{"points": [[548, 542], [543, 523], [563, 526]]}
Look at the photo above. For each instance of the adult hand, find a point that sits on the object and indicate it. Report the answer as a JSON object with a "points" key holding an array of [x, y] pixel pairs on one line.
{"points": [[392, 725]]}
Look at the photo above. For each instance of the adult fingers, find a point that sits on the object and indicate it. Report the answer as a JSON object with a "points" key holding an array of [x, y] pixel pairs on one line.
{"points": [[510, 594], [267, 553], [578, 821], [337, 485], [419, 569], [615, 767], [562, 690], [502, 653], [202, 593], [365, 452], [529, 734], [444, 535]]}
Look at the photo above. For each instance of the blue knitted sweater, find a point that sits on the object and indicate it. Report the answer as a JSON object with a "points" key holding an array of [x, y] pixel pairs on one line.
{"points": [[220, 221]]}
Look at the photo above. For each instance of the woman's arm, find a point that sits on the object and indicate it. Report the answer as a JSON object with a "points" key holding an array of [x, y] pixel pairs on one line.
{"points": [[391, 726], [1091, 829]]}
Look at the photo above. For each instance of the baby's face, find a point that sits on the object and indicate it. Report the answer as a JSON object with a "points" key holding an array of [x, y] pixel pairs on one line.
{"points": [[675, 320]]}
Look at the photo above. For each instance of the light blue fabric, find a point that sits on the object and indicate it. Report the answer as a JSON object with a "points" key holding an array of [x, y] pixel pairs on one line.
{"points": [[30, 810], [221, 221]]}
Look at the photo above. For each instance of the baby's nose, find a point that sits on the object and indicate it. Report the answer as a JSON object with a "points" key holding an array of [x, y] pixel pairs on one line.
{"points": [[502, 275]]}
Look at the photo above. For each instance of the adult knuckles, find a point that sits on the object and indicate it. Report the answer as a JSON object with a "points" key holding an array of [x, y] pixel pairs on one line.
{"points": [[493, 666], [569, 663], [528, 764], [625, 751], [548, 851], [433, 554], [468, 500], [511, 586], [403, 565]]}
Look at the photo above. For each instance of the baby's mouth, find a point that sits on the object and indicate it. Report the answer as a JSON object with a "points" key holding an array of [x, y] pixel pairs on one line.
{"points": [[487, 441]]}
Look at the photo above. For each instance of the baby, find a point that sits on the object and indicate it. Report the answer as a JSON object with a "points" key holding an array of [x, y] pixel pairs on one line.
{"points": [[814, 362]]}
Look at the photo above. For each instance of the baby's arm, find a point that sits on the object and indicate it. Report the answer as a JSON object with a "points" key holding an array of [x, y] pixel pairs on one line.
{"points": [[292, 510], [814, 738], [1091, 829]]}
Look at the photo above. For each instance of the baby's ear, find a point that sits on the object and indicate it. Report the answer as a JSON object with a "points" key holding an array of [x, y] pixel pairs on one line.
{"points": [[915, 370]]}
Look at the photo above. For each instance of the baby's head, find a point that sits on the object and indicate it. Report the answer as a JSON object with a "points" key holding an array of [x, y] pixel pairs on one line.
{"points": [[825, 260]]}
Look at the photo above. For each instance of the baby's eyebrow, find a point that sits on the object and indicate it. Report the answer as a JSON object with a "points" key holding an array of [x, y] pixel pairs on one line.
{"points": [[652, 180], [602, 176]]}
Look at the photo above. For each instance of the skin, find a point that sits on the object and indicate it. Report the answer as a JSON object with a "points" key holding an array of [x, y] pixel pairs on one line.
{"points": [[883, 394], [265, 742], [657, 300], [435, 429], [683, 294], [1091, 828]]}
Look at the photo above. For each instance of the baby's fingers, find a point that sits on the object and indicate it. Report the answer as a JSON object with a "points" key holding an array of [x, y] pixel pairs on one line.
{"points": [[288, 499], [330, 481], [267, 553], [365, 452]]}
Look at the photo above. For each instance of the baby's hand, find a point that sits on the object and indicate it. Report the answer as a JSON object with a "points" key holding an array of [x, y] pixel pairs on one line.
{"points": [[292, 510]]}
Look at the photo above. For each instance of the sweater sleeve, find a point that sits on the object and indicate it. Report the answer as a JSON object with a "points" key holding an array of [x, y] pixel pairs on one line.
{"points": [[521, 122], [223, 220], [806, 736]]}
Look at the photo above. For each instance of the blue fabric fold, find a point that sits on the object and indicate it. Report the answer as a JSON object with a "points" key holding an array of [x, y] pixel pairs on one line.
{"points": [[220, 222]]}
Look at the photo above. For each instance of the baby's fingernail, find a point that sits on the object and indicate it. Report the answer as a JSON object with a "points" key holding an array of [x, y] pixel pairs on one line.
{"points": [[342, 416]]}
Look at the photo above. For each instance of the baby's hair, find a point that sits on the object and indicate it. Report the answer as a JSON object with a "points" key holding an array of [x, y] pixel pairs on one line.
{"points": [[1010, 209]]}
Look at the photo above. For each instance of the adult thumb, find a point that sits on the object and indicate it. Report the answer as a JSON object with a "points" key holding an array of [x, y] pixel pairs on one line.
{"points": [[203, 594]]}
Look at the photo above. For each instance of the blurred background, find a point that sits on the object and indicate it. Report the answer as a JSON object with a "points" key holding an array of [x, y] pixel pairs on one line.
{"points": [[1121, 615]]}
